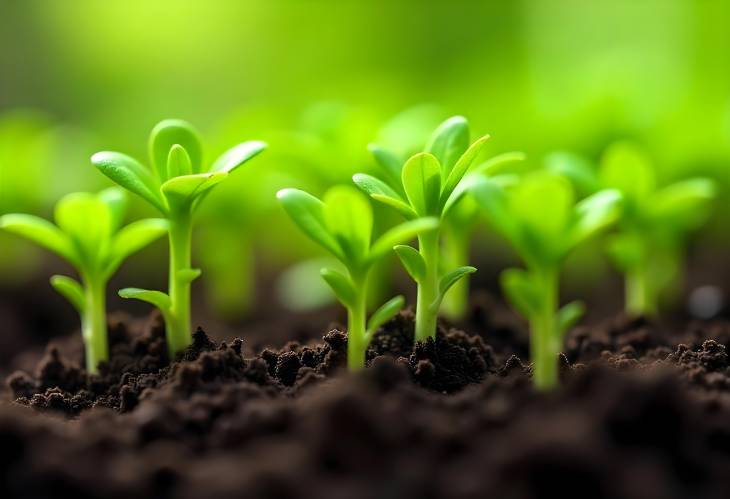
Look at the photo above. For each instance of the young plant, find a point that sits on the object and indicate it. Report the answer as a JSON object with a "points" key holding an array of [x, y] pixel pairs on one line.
{"points": [[429, 184], [648, 246], [539, 216], [87, 234], [175, 185], [342, 223]]}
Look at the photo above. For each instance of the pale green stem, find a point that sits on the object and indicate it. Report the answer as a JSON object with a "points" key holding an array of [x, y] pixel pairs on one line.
{"points": [[426, 316], [456, 254], [178, 326], [545, 341], [639, 300], [357, 340], [93, 322]]}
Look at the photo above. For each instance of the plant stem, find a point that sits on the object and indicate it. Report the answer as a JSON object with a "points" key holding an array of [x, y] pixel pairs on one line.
{"points": [[638, 296], [93, 323], [357, 341], [178, 327], [428, 246], [456, 254], [544, 338]]}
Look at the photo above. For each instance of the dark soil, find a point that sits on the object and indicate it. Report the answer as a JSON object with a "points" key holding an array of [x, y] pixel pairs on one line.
{"points": [[643, 413]]}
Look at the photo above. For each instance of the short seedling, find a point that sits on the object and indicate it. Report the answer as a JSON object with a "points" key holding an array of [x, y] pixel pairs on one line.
{"points": [[429, 184], [342, 223], [89, 237], [648, 246], [175, 185], [539, 216]]}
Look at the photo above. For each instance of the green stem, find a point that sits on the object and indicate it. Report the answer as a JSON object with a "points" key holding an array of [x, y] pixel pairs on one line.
{"points": [[178, 326], [456, 254], [638, 296], [357, 340], [93, 323], [545, 339], [428, 246]]}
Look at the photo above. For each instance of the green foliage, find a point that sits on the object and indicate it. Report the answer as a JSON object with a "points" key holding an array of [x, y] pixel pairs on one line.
{"points": [[430, 183], [541, 219], [342, 223], [88, 234], [175, 185]]}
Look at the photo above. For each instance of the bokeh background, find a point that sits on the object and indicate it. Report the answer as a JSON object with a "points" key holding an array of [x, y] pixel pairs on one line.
{"points": [[319, 80]]}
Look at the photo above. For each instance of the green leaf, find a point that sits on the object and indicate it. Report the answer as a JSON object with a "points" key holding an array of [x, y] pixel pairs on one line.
{"points": [[131, 175], [448, 142], [520, 292], [684, 203], [452, 277], [341, 285], [568, 316], [543, 206], [238, 155], [308, 213], [422, 183], [71, 290], [178, 162], [461, 167], [180, 191], [371, 185], [412, 261], [349, 217], [390, 164], [41, 232], [627, 168], [627, 251], [188, 275], [594, 214], [575, 168], [168, 133], [156, 298], [383, 314], [116, 201], [492, 198], [133, 238], [398, 205], [88, 221], [498, 164], [400, 234]]}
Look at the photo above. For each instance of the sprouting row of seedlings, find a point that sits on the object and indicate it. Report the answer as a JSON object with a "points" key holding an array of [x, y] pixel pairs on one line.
{"points": [[440, 192]]}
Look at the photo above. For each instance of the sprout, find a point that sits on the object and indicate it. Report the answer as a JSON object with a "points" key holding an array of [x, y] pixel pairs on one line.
{"points": [[175, 185], [342, 223], [87, 234], [648, 247], [429, 184], [539, 216]]}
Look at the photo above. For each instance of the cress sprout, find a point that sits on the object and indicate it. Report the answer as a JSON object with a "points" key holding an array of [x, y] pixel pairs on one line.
{"points": [[539, 216], [342, 223], [175, 185], [88, 234], [428, 184]]}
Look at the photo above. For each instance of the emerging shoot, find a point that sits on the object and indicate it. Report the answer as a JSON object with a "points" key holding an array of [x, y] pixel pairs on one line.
{"points": [[342, 223], [540, 218], [175, 185], [88, 234]]}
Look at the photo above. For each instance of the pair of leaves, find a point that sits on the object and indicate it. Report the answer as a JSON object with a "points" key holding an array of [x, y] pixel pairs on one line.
{"points": [[427, 183], [343, 222], [524, 292], [540, 217], [177, 179]]}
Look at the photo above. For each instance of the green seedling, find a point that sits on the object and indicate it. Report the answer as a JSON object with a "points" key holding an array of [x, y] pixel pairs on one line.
{"points": [[429, 184], [88, 234], [540, 218], [175, 185], [342, 223], [648, 245]]}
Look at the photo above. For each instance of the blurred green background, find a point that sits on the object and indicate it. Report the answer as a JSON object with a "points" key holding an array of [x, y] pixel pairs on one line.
{"points": [[319, 80]]}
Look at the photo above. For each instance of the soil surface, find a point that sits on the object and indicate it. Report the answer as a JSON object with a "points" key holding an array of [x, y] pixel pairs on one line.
{"points": [[643, 413]]}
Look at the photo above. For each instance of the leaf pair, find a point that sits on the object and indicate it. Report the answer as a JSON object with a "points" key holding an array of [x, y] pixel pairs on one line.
{"points": [[87, 233], [342, 223], [427, 184], [177, 179], [540, 216]]}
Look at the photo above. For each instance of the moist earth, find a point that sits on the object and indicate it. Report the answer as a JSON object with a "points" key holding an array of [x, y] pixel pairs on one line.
{"points": [[643, 413]]}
